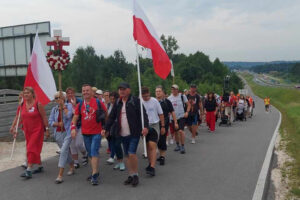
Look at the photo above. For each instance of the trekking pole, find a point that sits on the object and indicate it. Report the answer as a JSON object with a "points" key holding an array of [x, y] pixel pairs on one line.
{"points": [[15, 138]]}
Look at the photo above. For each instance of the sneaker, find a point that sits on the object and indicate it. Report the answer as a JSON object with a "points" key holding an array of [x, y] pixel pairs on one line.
{"points": [[76, 165], [117, 166], [85, 160], [151, 171], [171, 141], [94, 179], [110, 161], [59, 180], [182, 150], [24, 165], [27, 174], [128, 181], [135, 181], [38, 170], [122, 166], [71, 172], [147, 168], [193, 141], [177, 148], [167, 143], [162, 160]]}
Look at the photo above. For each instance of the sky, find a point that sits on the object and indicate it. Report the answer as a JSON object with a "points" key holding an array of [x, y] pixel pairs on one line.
{"points": [[232, 30]]}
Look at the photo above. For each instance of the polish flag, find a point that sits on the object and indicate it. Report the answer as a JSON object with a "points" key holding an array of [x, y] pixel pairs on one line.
{"points": [[39, 75], [145, 35]]}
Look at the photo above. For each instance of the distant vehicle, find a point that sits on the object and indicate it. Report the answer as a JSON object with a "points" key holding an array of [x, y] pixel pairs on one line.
{"points": [[297, 86]]}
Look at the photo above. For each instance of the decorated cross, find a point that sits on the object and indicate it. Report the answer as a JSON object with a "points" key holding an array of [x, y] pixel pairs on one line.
{"points": [[58, 41]]}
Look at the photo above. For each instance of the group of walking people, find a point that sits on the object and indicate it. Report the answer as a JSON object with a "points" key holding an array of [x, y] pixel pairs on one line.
{"points": [[123, 119]]}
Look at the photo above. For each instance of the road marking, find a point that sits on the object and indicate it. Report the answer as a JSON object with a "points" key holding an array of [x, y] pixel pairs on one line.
{"points": [[263, 175]]}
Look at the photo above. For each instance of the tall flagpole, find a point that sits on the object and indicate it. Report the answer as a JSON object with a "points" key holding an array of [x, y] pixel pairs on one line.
{"points": [[140, 94]]}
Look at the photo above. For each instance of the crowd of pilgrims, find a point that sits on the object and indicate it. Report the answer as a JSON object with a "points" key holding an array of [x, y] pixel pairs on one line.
{"points": [[78, 126]]}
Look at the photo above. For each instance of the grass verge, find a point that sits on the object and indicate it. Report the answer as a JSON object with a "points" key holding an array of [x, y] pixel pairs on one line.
{"points": [[288, 102]]}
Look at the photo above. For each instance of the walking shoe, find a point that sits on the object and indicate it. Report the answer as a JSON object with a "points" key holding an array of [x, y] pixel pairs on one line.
{"points": [[110, 161], [24, 165], [71, 172], [128, 181], [85, 160], [38, 170], [135, 181], [94, 179], [193, 141], [76, 165], [151, 171], [162, 160], [117, 166], [177, 148], [27, 174], [122, 166], [182, 150], [171, 141], [59, 180], [147, 168]]}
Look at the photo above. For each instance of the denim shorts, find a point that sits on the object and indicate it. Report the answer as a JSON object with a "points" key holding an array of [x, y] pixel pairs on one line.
{"points": [[92, 144], [130, 144]]}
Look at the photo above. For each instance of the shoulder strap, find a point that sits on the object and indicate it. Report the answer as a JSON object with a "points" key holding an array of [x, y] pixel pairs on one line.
{"points": [[98, 104]]}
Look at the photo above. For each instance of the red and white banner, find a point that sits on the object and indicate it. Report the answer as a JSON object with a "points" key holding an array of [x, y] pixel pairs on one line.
{"points": [[145, 35], [39, 75]]}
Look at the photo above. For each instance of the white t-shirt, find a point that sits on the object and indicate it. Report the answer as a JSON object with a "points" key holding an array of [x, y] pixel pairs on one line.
{"points": [[153, 110], [178, 105], [125, 131]]}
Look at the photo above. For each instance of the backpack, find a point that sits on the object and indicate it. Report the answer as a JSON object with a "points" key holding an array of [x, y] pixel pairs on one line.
{"points": [[184, 105], [100, 113]]}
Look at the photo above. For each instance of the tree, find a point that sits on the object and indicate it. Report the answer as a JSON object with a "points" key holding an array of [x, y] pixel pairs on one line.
{"points": [[170, 45]]}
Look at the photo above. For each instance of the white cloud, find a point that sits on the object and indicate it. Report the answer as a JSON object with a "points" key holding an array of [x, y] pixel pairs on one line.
{"points": [[231, 30]]}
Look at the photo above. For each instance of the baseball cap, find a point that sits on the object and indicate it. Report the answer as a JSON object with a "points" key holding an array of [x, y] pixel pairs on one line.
{"points": [[99, 92], [193, 86], [175, 86], [124, 85]]}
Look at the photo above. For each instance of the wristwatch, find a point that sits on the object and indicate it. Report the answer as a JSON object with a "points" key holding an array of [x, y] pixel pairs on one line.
{"points": [[47, 128]]}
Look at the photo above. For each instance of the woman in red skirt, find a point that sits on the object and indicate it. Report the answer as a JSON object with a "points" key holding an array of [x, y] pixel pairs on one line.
{"points": [[211, 108], [34, 123]]}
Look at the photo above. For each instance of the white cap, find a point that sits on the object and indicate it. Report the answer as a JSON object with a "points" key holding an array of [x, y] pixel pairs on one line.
{"points": [[99, 92]]}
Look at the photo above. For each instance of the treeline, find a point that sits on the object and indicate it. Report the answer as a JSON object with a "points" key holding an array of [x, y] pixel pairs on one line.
{"points": [[107, 72], [290, 71]]}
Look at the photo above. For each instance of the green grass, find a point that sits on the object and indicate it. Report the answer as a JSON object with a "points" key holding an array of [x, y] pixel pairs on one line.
{"points": [[288, 102]]}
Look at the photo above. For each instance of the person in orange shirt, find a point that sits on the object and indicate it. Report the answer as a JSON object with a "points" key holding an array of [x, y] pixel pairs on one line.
{"points": [[233, 100], [267, 103]]}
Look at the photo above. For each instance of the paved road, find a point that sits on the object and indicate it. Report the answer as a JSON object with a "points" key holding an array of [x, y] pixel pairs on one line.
{"points": [[223, 165]]}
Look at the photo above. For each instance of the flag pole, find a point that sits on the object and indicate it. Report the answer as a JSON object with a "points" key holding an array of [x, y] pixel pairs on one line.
{"points": [[172, 72], [140, 95]]}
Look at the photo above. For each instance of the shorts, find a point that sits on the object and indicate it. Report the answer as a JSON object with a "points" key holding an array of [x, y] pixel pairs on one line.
{"points": [[267, 106], [130, 144], [153, 134], [162, 142], [192, 120], [181, 123], [92, 144]]}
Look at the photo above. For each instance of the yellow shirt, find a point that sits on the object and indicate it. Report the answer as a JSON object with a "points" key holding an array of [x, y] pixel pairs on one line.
{"points": [[267, 101]]}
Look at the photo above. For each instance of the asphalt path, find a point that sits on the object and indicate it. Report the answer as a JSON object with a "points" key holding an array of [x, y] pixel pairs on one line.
{"points": [[220, 166]]}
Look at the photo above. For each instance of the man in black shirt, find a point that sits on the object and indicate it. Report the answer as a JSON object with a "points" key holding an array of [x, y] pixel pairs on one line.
{"points": [[168, 109], [193, 122]]}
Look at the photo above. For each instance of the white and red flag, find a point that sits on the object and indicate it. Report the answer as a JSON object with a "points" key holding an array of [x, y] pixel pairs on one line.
{"points": [[145, 35], [39, 75]]}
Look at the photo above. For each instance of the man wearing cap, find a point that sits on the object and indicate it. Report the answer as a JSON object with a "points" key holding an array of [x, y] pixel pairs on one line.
{"points": [[126, 116], [192, 122], [99, 95], [181, 108]]}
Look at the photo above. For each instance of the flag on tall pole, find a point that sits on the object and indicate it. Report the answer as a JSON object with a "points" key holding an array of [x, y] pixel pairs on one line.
{"points": [[145, 35], [39, 75]]}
